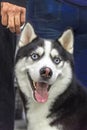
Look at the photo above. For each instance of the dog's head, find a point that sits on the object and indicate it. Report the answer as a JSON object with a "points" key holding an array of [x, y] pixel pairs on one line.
{"points": [[42, 65]]}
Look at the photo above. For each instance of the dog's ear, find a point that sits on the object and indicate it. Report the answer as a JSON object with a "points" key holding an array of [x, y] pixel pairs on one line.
{"points": [[67, 40], [27, 35]]}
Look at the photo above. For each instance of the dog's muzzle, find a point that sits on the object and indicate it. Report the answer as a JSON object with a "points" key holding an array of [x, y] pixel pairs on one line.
{"points": [[41, 87]]}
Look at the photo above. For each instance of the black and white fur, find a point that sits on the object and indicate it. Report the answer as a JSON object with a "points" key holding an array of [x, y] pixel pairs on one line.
{"points": [[50, 63]]}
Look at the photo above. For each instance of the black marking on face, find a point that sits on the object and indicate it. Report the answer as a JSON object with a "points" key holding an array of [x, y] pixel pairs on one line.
{"points": [[26, 50], [66, 56]]}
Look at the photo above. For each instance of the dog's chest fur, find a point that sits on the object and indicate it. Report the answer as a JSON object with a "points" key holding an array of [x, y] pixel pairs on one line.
{"points": [[37, 115]]}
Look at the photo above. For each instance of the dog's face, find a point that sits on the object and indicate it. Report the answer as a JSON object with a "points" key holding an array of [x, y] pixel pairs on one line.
{"points": [[42, 63]]}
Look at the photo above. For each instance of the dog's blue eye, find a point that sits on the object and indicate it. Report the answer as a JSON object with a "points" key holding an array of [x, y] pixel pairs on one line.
{"points": [[57, 60], [34, 56]]}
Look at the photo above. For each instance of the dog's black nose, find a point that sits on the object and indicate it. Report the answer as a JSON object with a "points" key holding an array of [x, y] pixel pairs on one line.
{"points": [[46, 72]]}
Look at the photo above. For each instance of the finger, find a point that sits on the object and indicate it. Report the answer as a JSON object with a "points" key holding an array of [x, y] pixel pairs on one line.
{"points": [[11, 23], [23, 15], [17, 23], [4, 15], [4, 19]]}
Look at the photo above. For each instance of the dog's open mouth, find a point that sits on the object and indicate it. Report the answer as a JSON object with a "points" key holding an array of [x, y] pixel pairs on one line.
{"points": [[40, 91]]}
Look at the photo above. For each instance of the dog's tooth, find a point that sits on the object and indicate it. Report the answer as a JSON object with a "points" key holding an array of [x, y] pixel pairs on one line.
{"points": [[34, 84]]}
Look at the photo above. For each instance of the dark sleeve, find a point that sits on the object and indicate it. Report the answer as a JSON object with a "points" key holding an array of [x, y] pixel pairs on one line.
{"points": [[16, 2]]}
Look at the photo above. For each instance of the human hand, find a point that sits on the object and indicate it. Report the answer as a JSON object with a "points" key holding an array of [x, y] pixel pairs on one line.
{"points": [[13, 16]]}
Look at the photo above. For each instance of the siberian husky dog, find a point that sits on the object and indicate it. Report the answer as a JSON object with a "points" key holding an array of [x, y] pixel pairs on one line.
{"points": [[53, 98]]}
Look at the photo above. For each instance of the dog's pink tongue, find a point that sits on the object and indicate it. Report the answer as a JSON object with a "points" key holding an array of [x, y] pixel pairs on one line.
{"points": [[41, 93]]}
